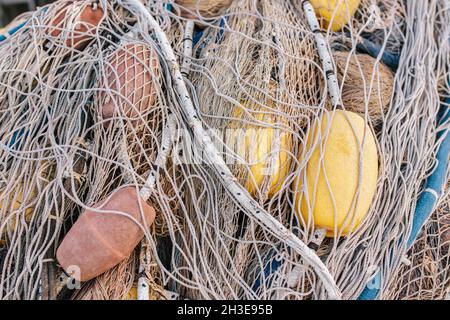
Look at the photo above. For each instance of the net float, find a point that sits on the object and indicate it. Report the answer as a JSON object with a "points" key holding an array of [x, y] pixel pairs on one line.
{"points": [[76, 24], [265, 149], [12, 202], [336, 13], [338, 191], [195, 9], [101, 238], [129, 82]]}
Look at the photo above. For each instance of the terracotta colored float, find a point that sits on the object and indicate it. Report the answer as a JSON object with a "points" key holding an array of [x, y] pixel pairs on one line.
{"points": [[99, 240], [105, 236]]}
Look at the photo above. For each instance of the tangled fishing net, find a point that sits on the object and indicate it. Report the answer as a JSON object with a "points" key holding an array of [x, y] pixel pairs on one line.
{"points": [[224, 120], [425, 274]]}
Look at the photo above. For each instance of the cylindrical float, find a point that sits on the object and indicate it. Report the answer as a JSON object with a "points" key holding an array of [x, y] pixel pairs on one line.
{"points": [[102, 237]]}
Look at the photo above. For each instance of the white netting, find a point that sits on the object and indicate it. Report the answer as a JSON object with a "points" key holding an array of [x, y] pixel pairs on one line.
{"points": [[227, 148], [425, 273]]}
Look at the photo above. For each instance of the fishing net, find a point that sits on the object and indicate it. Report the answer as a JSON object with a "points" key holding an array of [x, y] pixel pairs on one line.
{"points": [[61, 154], [424, 274], [214, 110], [254, 71]]}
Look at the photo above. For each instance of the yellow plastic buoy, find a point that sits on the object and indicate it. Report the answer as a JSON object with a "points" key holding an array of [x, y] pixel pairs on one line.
{"points": [[336, 12], [337, 168], [265, 148]]}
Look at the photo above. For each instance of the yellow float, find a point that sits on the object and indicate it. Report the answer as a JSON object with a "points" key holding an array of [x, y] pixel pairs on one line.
{"points": [[337, 168], [206, 8], [264, 146], [133, 294]]}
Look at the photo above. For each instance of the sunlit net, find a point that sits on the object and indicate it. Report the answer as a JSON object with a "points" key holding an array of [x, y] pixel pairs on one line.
{"points": [[258, 85]]}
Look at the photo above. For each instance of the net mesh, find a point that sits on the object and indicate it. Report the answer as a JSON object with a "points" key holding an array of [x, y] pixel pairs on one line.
{"points": [[424, 274], [87, 89]]}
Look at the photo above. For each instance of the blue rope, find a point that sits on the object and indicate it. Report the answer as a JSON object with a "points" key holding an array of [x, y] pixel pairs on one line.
{"points": [[388, 58], [436, 181], [12, 31]]}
